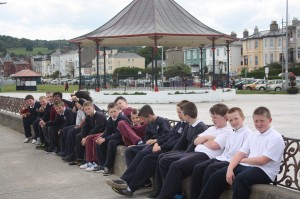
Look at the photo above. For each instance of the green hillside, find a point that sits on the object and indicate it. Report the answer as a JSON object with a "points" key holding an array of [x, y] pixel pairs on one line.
{"points": [[35, 51]]}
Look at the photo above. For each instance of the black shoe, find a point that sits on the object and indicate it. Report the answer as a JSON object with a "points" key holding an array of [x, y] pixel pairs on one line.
{"points": [[118, 183], [147, 185], [62, 154], [153, 194], [76, 162], [99, 169], [123, 192], [49, 150], [40, 147], [68, 158]]}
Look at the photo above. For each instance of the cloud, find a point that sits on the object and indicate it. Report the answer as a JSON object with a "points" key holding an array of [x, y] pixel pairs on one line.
{"points": [[66, 19]]}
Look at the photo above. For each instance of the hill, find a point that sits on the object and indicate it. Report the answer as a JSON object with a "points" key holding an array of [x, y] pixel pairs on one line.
{"points": [[21, 47]]}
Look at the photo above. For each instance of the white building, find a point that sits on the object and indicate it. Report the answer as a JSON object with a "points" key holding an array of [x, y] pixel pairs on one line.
{"points": [[66, 63]]}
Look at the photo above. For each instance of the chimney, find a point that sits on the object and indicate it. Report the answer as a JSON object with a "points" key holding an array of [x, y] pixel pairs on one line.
{"points": [[245, 33], [273, 26], [233, 34], [255, 30]]}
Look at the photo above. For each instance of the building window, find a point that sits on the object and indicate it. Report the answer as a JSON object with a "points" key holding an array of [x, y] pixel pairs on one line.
{"points": [[246, 60], [225, 51], [250, 60], [256, 44], [218, 52], [210, 52], [266, 59], [298, 52], [265, 43], [279, 42], [298, 33], [188, 55], [271, 43], [271, 58], [132, 60], [195, 54], [256, 60]]}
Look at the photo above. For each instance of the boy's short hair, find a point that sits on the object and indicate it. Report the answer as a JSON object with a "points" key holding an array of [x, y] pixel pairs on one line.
{"points": [[134, 111], [88, 103], [59, 103], [57, 94], [145, 111], [112, 105], [29, 97], [219, 109], [49, 92], [262, 111], [236, 109], [190, 109], [181, 103], [42, 97], [120, 98]]}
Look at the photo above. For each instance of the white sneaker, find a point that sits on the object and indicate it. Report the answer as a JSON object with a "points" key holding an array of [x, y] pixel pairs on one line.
{"points": [[38, 141], [26, 140], [33, 141], [86, 165], [92, 167]]}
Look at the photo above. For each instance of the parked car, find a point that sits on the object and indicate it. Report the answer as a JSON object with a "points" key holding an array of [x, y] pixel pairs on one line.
{"points": [[54, 82], [251, 86], [278, 87], [240, 83], [262, 87]]}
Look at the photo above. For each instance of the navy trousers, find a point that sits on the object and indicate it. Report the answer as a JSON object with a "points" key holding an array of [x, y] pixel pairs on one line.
{"points": [[178, 171], [201, 174], [245, 177]]}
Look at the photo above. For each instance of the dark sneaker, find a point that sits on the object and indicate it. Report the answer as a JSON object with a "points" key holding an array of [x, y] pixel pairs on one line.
{"points": [[68, 158], [62, 154], [123, 192], [99, 169], [153, 194], [118, 183], [106, 172], [40, 147]]}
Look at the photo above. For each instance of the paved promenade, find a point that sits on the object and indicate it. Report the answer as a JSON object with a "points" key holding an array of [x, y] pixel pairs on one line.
{"points": [[29, 173]]}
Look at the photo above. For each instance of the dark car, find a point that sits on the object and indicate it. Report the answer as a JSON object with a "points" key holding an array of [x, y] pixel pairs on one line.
{"points": [[239, 84]]}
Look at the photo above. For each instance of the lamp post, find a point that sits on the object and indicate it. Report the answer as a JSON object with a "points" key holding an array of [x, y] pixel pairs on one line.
{"points": [[287, 47]]}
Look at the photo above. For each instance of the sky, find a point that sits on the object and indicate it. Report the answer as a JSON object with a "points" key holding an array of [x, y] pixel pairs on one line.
{"points": [[67, 19]]}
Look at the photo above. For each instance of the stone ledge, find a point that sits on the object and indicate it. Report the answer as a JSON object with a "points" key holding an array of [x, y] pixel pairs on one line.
{"points": [[14, 122]]}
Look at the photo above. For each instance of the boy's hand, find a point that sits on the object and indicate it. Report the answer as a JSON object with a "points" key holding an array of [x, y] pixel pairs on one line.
{"points": [[83, 141], [230, 176], [156, 148], [100, 140], [151, 141]]}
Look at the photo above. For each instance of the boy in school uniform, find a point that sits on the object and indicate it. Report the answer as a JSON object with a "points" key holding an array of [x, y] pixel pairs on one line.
{"points": [[157, 128], [42, 122], [184, 145], [36, 127], [143, 165], [257, 162], [110, 139], [95, 122], [123, 106], [30, 116], [209, 144], [132, 134], [204, 170], [63, 119]]}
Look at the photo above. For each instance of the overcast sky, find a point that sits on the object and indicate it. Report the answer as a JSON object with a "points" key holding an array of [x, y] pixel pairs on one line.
{"points": [[66, 19]]}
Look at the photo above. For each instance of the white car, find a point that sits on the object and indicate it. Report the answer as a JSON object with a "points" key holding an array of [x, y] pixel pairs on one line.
{"points": [[278, 87], [54, 82], [262, 87]]}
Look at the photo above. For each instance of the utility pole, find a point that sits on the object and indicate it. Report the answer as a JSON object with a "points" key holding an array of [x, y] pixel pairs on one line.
{"points": [[286, 47]]}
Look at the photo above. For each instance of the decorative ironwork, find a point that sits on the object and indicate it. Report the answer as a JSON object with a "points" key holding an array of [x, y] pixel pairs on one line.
{"points": [[290, 167], [11, 104]]}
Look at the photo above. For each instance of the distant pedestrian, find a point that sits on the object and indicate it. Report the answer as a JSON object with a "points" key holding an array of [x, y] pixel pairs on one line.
{"points": [[66, 86]]}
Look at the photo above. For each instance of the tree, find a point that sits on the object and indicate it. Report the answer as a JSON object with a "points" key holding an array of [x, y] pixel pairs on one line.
{"points": [[147, 53], [55, 75], [177, 70]]}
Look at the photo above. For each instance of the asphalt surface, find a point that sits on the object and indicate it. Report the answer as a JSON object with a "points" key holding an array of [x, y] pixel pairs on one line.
{"points": [[29, 173]]}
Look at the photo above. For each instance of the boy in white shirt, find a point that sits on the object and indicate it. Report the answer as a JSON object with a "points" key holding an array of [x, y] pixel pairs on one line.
{"points": [[204, 170], [257, 162]]}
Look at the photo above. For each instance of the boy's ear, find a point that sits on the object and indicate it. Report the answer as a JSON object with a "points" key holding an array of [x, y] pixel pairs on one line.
{"points": [[225, 117]]}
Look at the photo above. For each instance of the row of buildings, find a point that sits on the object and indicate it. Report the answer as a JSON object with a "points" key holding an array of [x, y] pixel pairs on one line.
{"points": [[251, 52]]}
